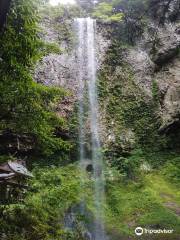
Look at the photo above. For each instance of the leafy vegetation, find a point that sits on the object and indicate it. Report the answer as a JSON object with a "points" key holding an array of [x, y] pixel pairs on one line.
{"points": [[128, 16], [26, 105], [135, 125], [142, 171], [40, 216], [55, 191], [132, 16], [104, 11], [141, 204]]}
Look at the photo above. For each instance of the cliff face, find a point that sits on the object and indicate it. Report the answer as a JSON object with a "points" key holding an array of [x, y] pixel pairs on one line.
{"points": [[156, 58], [139, 86], [146, 72], [62, 69]]}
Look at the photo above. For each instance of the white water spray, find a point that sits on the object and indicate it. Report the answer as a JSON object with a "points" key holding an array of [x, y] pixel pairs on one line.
{"points": [[86, 75]]}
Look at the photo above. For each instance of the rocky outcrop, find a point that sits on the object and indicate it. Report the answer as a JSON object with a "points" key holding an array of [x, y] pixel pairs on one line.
{"points": [[167, 44], [143, 68], [153, 64], [168, 80], [58, 70], [156, 58], [61, 69]]}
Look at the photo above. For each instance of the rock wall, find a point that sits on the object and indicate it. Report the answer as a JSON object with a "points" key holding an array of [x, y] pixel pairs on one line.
{"points": [[146, 72], [62, 69], [154, 60]]}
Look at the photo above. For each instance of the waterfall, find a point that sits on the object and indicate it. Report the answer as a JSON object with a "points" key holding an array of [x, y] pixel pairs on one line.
{"points": [[81, 85], [86, 76]]}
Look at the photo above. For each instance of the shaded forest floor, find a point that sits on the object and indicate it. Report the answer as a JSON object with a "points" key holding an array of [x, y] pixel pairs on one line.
{"points": [[152, 202]]}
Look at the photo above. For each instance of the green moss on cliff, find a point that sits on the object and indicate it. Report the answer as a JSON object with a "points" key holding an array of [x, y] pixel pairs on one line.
{"points": [[126, 105], [131, 117]]}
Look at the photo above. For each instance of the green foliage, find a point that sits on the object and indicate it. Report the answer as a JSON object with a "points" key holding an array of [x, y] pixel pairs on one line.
{"points": [[48, 48], [128, 17], [129, 165], [142, 118], [53, 191], [4, 158], [135, 6], [172, 170], [116, 17], [26, 105], [104, 11], [130, 116], [155, 91], [86, 6], [127, 106], [133, 204]]}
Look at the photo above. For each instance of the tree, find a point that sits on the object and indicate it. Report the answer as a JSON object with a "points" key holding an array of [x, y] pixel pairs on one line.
{"points": [[25, 105], [129, 13]]}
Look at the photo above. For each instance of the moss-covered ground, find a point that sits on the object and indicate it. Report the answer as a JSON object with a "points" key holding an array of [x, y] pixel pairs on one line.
{"points": [[153, 203]]}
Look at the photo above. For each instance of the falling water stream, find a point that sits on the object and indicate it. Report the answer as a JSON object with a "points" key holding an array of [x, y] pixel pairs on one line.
{"points": [[86, 76]]}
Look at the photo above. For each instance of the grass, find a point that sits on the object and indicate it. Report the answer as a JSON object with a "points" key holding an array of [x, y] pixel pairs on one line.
{"points": [[162, 189], [128, 205], [142, 204]]}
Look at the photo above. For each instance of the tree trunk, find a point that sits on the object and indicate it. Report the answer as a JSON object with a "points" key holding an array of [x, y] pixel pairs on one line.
{"points": [[4, 8]]}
